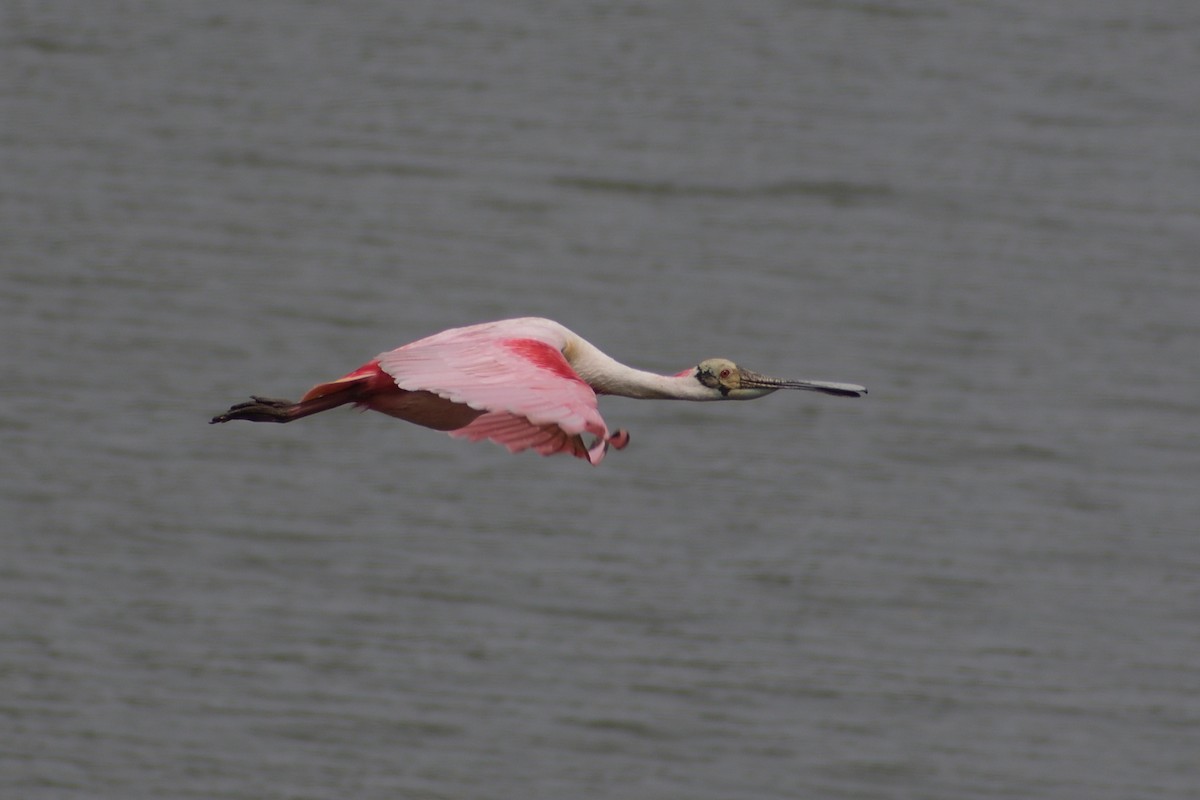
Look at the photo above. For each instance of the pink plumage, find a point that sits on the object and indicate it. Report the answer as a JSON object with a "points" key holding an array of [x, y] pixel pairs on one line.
{"points": [[513, 370], [526, 383]]}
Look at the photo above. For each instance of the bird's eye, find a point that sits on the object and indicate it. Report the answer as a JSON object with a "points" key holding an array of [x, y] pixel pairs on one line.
{"points": [[724, 373]]}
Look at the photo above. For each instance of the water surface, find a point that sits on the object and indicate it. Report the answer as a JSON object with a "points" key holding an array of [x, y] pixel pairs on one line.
{"points": [[980, 581]]}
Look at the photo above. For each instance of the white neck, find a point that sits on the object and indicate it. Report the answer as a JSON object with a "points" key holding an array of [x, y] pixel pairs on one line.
{"points": [[609, 376]]}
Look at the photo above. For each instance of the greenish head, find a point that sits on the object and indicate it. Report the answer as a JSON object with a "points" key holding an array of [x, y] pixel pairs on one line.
{"points": [[732, 382]]}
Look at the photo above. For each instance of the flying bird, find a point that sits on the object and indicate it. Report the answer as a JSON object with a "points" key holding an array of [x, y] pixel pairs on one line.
{"points": [[526, 383]]}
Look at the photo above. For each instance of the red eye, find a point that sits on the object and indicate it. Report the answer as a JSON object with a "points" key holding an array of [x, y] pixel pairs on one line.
{"points": [[724, 373]]}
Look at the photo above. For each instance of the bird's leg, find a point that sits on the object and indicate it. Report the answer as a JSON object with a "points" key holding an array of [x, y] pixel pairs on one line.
{"points": [[260, 409]]}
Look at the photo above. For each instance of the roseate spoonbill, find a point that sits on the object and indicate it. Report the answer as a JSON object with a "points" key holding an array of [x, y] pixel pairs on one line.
{"points": [[524, 383]]}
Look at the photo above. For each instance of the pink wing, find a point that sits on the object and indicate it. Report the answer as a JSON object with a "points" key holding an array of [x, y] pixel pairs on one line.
{"points": [[515, 371]]}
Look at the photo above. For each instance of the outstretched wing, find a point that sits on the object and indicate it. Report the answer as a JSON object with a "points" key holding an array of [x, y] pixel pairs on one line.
{"points": [[514, 371]]}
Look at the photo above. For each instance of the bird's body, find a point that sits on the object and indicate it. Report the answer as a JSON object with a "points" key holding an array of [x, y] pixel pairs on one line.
{"points": [[527, 383]]}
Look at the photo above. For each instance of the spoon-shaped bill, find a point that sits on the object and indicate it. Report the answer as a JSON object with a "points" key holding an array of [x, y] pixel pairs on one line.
{"points": [[753, 380]]}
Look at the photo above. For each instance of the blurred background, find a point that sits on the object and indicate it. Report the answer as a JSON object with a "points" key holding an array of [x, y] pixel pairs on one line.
{"points": [[978, 581]]}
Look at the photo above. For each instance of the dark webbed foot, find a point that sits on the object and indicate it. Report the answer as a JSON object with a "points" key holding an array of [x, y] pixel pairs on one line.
{"points": [[258, 409]]}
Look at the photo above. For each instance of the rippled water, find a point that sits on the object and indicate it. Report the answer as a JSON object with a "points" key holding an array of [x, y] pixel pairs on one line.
{"points": [[980, 581]]}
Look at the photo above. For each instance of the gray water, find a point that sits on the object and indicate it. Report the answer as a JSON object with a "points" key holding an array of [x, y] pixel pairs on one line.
{"points": [[978, 582]]}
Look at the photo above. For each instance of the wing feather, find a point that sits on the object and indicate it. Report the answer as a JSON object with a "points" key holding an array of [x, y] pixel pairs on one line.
{"points": [[515, 371]]}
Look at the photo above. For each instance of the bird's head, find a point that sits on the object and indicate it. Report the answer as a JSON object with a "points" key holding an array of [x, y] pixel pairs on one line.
{"points": [[731, 382]]}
